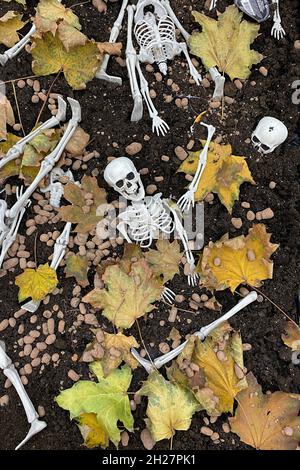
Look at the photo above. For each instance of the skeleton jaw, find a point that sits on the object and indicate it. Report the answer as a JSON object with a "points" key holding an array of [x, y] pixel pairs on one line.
{"points": [[135, 193]]}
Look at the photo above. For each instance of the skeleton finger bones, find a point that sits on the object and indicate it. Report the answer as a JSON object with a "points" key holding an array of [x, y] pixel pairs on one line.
{"points": [[202, 334], [32, 416], [259, 10]]}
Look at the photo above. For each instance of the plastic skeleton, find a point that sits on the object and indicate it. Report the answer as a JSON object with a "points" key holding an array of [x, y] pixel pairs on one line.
{"points": [[146, 216], [58, 254], [32, 417], [10, 219], [55, 187], [259, 10], [202, 334], [155, 34]]}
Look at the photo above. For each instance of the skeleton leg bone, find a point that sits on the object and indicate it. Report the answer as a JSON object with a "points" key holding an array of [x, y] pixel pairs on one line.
{"points": [[58, 254], [131, 60], [13, 51], [31, 414], [202, 334], [158, 124], [15, 151], [213, 5], [219, 81], [101, 73]]}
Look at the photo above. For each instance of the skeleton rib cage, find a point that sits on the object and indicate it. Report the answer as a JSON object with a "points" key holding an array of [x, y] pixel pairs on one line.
{"points": [[157, 39], [147, 217]]}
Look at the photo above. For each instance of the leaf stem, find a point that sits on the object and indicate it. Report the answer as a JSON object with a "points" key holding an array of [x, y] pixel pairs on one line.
{"points": [[47, 96], [18, 108], [273, 303]]}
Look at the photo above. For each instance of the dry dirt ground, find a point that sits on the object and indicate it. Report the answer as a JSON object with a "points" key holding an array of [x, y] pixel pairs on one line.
{"points": [[105, 115]]}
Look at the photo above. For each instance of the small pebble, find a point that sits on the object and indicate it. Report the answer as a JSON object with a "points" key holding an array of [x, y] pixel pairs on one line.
{"points": [[226, 427], [21, 84], [272, 184], [147, 439], [263, 71], [217, 261], [151, 188], [133, 148], [41, 411], [250, 215], [206, 431], [237, 222], [297, 44], [246, 205], [124, 438], [73, 375], [180, 153]]}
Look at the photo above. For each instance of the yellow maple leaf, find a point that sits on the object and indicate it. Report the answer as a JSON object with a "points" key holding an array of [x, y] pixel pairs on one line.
{"points": [[116, 349], [79, 64], [10, 23], [49, 13], [266, 422], [291, 338], [86, 217], [223, 174], [225, 43], [126, 296], [164, 261], [6, 116], [92, 430], [77, 266], [170, 407], [36, 283], [28, 165], [240, 260], [218, 358]]}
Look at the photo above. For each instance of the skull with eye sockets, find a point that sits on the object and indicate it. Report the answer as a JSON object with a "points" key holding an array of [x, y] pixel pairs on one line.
{"points": [[122, 175], [269, 134]]}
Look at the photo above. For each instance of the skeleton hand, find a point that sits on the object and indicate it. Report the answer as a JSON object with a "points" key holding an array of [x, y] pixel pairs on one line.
{"points": [[277, 30], [186, 200], [193, 276], [159, 126]]}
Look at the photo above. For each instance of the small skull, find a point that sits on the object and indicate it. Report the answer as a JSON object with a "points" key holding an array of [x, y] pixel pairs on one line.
{"points": [[122, 175], [269, 134]]}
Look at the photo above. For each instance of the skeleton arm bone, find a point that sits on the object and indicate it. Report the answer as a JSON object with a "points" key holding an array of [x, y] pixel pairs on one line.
{"points": [[13, 51], [184, 238], [131, 60], [189, 197], [158, 124], [277, 30], [176, 21], [122, 229], [193, 71]]}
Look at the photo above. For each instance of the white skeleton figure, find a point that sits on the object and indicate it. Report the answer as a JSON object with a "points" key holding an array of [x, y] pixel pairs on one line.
{"points": [[10, 372], [55, 187], [259, 10], [146, 216], [155, 34], [10, 219], [157, 363]]}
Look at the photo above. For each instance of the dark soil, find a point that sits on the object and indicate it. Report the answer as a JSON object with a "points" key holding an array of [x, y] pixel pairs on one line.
{"points": [[106, 116]]}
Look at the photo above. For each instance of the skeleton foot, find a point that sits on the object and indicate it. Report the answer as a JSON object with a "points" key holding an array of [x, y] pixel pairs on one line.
{"points": [[202, 334], [101, 73], [31, 414]]}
